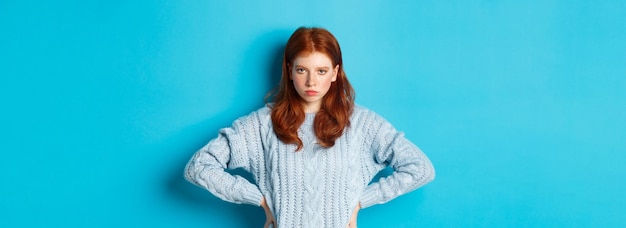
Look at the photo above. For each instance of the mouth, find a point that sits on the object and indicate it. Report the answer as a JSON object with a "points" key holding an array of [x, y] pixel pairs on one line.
{"points": [[311, 92]]}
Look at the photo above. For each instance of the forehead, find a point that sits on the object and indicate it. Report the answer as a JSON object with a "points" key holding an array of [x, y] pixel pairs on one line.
{"points": [[313, 59]]}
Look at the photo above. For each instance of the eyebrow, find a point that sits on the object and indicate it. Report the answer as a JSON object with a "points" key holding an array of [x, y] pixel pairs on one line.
{"points": [[319, 68]]}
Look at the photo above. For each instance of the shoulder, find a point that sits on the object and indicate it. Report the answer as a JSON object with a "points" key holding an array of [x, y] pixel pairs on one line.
{"points": [[375, 129], [262, 112], [359, 110], [366, 120], [363, 114], [260, 117]]}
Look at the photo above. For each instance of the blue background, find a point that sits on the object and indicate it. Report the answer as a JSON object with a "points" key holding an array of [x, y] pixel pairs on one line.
{"points": [[520, 105]]}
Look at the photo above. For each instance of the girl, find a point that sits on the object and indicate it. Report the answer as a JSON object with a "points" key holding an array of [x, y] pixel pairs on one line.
{"points": [[312, 152]]}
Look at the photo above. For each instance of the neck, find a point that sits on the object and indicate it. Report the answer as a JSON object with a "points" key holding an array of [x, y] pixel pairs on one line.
{"points": [[311, 108]]}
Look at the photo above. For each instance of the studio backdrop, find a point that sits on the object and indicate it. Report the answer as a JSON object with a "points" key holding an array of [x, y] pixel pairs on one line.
{"points": [[520, 105]]}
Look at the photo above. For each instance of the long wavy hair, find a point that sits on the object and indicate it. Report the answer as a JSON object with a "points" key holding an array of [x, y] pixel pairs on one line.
{"points": [[337, 105]]}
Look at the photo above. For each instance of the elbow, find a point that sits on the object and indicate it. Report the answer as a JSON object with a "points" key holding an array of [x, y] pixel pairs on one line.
{"points": [[429, 172], [426, 174], [420, 175], [189, 172]]}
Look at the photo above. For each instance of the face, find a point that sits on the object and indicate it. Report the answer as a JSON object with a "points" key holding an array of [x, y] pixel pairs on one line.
{"points": [[312, 76]]}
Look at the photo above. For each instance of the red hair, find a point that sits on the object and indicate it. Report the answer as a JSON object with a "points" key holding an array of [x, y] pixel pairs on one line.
{"points": [[337, 105]]}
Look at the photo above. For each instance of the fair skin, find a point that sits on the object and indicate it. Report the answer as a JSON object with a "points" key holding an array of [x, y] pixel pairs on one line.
{"points": [[311, 74], [269, 218]]}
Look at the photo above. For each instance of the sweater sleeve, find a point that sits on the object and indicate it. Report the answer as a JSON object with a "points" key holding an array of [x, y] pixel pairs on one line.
{"points": [[230, 150], [412, 169]]}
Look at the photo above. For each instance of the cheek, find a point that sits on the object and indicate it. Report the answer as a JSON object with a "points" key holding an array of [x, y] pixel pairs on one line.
{"points": [[297, 82], [328, 82]]}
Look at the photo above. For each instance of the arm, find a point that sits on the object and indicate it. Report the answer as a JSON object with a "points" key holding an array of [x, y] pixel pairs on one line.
{"points": [[269, 218], [412, 169], [231, 149], [353, 220]]}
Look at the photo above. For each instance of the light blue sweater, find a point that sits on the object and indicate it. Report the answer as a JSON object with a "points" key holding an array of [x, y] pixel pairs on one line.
{"points": [[314, 187]]}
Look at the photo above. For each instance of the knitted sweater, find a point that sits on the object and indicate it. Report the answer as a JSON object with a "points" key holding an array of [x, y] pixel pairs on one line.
{"points": [[314, 187]]}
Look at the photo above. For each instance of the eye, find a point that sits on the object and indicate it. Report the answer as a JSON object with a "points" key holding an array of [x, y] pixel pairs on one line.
{"points": [[300, 70], [322, 71]]}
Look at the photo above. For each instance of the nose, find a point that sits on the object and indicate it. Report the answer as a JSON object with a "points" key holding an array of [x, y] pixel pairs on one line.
{"points": [[311, 81]]}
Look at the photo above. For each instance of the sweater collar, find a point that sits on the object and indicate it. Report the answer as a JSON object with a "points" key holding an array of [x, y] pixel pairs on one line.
{"points": [[309, 118]]}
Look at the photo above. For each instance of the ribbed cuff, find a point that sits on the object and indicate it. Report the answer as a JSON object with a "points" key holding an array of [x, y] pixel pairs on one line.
{"points": [[252, 196], [369, 197]]}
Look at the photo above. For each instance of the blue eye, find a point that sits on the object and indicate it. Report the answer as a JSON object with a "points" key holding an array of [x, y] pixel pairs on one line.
{"points": [[322, 71], [300, 70]]}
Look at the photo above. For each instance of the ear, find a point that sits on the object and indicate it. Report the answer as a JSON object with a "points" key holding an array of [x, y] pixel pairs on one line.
{"points": [[335, 72]]}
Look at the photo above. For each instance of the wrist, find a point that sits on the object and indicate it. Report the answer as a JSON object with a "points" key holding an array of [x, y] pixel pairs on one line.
{"points": [[264, 205]]}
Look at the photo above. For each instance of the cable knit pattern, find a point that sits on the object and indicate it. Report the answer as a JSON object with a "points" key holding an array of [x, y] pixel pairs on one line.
{"points": [[315, 187]]}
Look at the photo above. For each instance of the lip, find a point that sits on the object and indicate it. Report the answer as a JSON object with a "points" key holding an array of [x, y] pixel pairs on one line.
{"points": [[311, 92]]}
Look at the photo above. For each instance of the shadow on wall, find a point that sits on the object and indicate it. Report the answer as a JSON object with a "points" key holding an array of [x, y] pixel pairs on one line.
{"points": [[265, 58]]}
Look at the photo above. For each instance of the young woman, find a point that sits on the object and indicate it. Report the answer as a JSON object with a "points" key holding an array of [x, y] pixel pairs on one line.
{"points": [[311, 152]]}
